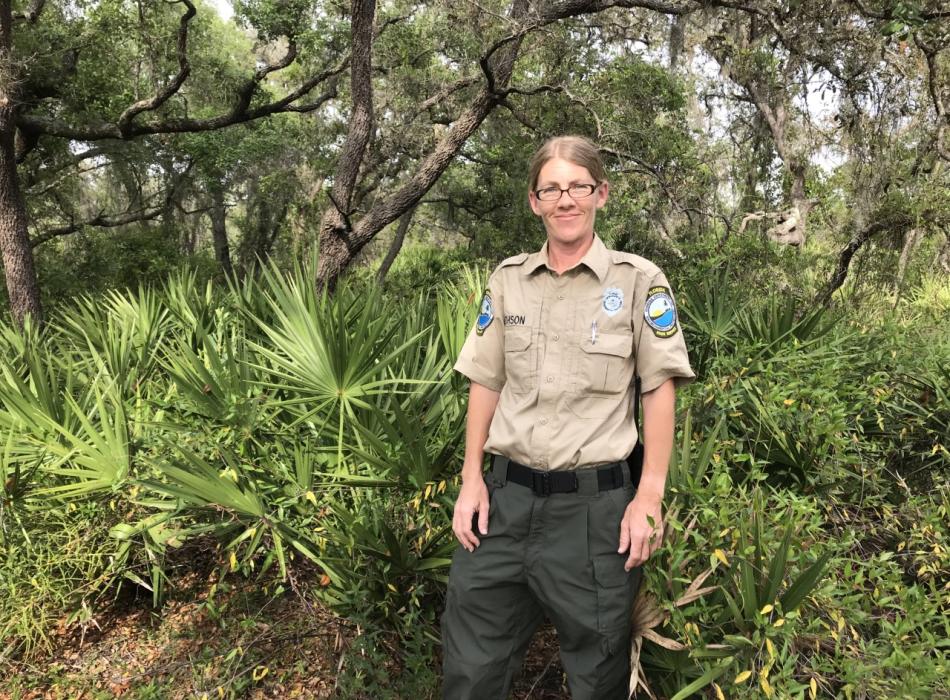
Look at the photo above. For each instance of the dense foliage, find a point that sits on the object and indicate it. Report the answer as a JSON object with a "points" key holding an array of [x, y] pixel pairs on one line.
{"points": [[311, 443]]}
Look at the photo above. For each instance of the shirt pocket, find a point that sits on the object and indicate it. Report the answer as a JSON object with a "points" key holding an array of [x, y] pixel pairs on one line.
{"points": [[604, 366], [521, 369]]}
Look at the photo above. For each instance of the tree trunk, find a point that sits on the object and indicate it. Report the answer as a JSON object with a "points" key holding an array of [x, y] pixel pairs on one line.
{"points": [[396, 246], [22, 285], [942, 259], [340, 238], [336, 228], [265, 217], [792, 225], [677, 39], [911, 241], [219, 232]]}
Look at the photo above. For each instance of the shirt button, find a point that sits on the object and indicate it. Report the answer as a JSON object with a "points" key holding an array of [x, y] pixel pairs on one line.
{"points": [[550, 379], [561, 297], [544, 421], [557, 337]]}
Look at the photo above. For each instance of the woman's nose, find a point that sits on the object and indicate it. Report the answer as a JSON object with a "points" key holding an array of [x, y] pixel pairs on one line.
{"points": [[566, 201]]}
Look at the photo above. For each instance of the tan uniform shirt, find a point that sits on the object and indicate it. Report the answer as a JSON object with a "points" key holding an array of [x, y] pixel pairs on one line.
{"points": [[563, 351]]}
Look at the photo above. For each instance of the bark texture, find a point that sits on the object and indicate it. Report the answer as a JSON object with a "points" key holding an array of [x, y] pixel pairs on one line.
{"points": [[219, 231], [340, 238], [22, 285], [401, 230]]}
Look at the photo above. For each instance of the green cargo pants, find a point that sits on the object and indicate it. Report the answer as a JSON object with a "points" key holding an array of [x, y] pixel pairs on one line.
{"points": [[544, 556]]}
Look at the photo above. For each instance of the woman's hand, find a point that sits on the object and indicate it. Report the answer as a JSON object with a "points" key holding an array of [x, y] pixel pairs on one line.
{"points": [[641, 530], [473, 498]]}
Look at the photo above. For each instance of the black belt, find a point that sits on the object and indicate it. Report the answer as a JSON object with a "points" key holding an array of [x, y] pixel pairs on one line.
{"points": [[543, 483]]}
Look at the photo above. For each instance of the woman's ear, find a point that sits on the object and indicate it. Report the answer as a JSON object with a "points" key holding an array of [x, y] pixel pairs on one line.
{"points": [[602, 193], [533, 203]]}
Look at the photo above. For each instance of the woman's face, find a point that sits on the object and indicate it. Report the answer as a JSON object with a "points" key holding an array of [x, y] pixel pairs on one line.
{"points": [[567, 220]]}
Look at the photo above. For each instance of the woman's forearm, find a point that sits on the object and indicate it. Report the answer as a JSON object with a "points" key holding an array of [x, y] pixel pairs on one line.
{"points": [[481, 408], [658, 416]]}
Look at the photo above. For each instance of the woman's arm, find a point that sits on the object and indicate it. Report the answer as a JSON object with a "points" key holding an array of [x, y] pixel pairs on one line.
{"points": [[473, 496], [636, 532]]}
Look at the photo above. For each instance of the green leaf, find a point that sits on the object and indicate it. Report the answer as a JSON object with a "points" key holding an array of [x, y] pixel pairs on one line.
{"points": [[804, 584], [705, 679]]}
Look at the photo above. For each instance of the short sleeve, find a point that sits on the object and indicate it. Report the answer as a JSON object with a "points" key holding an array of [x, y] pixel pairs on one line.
{"points": [[482, 358], [661, 349]]}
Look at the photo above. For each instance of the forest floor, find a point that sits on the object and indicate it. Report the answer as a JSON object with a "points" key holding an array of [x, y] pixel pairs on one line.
{"points": [[258, 647]]}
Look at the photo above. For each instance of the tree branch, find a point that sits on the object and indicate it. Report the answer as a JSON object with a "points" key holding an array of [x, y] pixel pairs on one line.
{"points": [[184, 70], [563, 9], [100, 220], [889, 14], [898, 223], [443, 94], [237, 114], [361, 117], [103, 131], [246, 93], [521, 118]]}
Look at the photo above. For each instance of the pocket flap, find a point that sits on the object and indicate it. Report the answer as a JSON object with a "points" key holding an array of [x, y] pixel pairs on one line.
{"points": [[517, 339], [617, 344], [608, 570]]}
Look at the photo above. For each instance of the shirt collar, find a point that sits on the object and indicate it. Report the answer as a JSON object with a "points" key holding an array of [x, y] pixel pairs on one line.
{"points": [[596, 259]]}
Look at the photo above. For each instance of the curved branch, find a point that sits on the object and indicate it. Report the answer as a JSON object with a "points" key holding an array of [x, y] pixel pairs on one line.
{"points": [[360, 127], [246, 93], [855, 244], [554, 11], [100, 220], [184, 70], [442, 95], [102, 131]]}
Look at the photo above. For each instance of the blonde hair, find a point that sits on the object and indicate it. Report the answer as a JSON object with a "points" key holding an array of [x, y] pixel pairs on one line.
{"points": [[578, 150]]}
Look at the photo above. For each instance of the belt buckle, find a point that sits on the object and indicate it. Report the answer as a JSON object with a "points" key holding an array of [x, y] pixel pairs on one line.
{"points": [[541, 483]]}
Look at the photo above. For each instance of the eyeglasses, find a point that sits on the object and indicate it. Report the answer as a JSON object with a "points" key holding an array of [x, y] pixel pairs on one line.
{"points": [[552, 194]]}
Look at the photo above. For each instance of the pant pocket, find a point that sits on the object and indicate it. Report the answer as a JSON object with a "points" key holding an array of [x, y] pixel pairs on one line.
{"points": [[616, 589]]}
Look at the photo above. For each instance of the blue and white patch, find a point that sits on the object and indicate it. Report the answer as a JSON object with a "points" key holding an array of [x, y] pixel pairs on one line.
{"points": [[613, 301], [486, 314], [660, 312]]}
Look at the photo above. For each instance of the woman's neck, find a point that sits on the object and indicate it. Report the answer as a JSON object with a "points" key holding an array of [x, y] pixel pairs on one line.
{"points": [[564, 256]]}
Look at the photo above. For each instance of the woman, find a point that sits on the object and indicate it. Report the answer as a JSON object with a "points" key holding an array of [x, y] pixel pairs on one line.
{"points": [[555, 528]]}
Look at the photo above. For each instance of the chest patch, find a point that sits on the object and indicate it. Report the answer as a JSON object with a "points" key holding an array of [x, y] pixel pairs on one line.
{"points": [[613, 300], [660, 312], [486, 314]]}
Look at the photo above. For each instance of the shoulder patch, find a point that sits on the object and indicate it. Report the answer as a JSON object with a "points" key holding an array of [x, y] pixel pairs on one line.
{"points": [[486, 314], [514, 260], [660, 312]]}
